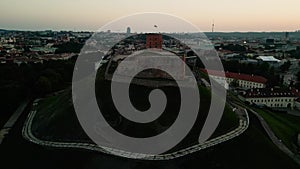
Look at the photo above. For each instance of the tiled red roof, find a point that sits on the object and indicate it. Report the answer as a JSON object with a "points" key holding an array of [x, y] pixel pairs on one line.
{"points": [[239, 76]]}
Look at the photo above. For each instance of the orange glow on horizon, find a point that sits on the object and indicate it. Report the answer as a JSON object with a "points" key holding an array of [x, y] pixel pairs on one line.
{"points": [[229, 15]]}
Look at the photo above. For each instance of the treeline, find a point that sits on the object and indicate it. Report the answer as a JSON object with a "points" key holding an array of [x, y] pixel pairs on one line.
{"points": [[234, 47], [263, 69], [297, 84], [295, 53], [69, 47], [34, 79]]}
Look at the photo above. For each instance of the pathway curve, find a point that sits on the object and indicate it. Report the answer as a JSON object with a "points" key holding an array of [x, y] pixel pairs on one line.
{"points": [[243, 125]]}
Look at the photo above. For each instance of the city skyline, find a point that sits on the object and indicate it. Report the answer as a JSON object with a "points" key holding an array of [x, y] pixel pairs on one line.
{"points": [[131, 84], [228, 16]]}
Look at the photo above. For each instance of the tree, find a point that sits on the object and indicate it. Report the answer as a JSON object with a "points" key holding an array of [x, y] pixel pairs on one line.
{"points": [[69, 47], [43, 86], [54, 78], [286, 66], [298, 76], [264, 67], [297, 86], [235, 48]]}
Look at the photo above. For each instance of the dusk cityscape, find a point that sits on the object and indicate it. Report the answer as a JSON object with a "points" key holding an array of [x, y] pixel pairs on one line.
{"points": [[141, 85]]}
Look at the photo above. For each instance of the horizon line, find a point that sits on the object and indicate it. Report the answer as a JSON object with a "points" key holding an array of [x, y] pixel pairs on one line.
{"points": [[70, 30]]}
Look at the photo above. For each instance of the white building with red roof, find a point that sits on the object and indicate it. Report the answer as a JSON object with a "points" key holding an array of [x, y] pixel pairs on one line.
{"points": [[271, 97], [243, 80]]}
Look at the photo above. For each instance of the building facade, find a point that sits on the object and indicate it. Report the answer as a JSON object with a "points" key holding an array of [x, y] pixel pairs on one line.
{"points": [[241, 80], [270, 97]]}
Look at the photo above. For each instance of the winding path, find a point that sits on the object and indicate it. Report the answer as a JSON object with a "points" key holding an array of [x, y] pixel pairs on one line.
{"points": [[243, 125]]}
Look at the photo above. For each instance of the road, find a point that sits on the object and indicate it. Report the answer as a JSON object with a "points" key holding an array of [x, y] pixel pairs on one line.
{"points": [[243, 125], [13, 119]]}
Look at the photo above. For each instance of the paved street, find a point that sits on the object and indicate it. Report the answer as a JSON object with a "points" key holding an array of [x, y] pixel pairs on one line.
{"points": [[13, 119]]}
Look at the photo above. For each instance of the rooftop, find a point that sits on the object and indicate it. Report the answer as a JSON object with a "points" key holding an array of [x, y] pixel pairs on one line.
{"points": [[239, 76], [268, 59]]}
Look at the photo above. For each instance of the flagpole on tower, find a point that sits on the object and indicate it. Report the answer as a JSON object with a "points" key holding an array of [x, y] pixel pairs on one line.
{"points": [[155, 26]]}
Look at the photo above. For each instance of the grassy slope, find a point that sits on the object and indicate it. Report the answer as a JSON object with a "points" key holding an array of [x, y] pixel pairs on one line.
{"points": [[286, 127], [56, 120], [251, 150]]}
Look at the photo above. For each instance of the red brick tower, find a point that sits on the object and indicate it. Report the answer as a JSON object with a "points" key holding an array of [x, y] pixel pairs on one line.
{"points": [[154, 40]]}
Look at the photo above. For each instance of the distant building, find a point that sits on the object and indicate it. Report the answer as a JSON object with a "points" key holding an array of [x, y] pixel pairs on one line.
{"points": [[234, 56], [269, 59], [128, 31], [154, 41], [247, 61], [287, 36], [242, 80], [271, 97], [270, 41]]}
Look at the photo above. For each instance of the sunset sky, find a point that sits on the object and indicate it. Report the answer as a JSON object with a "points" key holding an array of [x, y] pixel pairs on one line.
{"points": [[228, 15]]}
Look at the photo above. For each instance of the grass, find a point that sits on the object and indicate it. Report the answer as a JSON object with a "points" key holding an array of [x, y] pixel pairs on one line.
{"points": [[204, 76], [228, 122], [229, 119], [56, 119], [251, 150], [286, 127]]}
